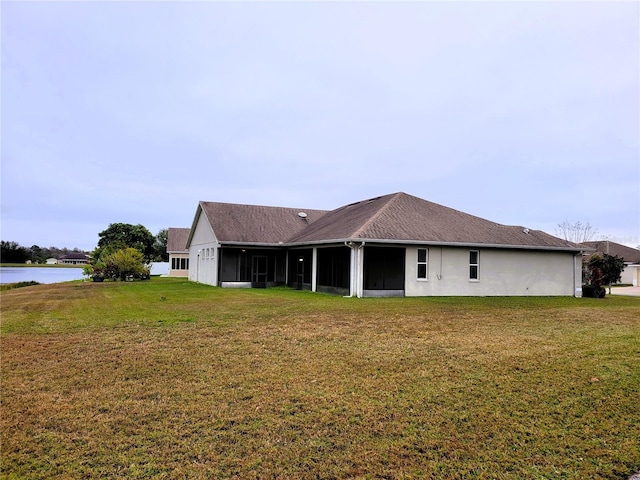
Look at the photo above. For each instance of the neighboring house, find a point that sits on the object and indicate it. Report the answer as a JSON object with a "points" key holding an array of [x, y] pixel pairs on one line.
{"points": [[52, 261], [393, 245], [630, 256], [74, 259], [178, 254]]}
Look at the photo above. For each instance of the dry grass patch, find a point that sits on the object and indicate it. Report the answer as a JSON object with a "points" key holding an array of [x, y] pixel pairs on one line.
{"points": [[169, 379]]}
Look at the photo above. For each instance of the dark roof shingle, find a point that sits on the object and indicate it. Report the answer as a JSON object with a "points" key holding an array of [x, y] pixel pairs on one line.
{"points": [[628, 254], [256, 223], [395, 217], [403, 217], [177, 239]]}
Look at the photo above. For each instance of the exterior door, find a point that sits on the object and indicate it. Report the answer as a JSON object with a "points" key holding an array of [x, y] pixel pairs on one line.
{"points": [[259, 269]]}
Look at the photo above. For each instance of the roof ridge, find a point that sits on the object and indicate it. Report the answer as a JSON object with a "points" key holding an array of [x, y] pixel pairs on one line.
{"points": [[255, 205], [379, 212]]}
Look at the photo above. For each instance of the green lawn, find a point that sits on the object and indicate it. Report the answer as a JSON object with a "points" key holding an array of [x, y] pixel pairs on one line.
{"points": [[171, 379]]}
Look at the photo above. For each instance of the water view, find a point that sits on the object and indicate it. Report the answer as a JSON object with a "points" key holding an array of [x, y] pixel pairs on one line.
{"points": [[39, 274]]}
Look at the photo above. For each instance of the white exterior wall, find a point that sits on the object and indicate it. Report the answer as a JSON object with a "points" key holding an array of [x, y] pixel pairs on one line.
{"points": [[203, 269], [629, 275], [501, 273]]}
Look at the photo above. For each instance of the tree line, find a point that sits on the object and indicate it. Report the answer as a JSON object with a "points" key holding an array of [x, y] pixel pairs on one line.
{"points": [[13, 252], [153, 247]]}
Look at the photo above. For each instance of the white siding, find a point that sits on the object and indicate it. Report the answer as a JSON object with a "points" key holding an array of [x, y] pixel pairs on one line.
{"points": [[203, 269], [629, 275], [502, 272]]}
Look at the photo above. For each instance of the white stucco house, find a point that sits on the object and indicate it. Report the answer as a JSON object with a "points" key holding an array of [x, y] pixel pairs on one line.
{"points": [[392, 245]]}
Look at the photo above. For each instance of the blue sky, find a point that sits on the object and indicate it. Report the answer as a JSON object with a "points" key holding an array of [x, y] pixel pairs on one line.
{"points": [[524, 113]]}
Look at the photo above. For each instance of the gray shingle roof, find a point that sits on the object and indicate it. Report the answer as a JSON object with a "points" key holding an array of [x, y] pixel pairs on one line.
{"points": [[177, 239], [396, 217], [403, 217], [256, 223], [628, 254]]}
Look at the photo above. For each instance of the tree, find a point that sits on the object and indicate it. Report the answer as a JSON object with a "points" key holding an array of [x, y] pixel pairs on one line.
{"points": [[576, 232], [128, 262], [120, 264], [160, 245], [127, 235], [607, 267], [13, 252], [36, 254]]}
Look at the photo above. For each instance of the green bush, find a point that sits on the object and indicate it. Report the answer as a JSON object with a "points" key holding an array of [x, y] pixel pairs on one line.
{"points": [[593, 291], [10, 286]]}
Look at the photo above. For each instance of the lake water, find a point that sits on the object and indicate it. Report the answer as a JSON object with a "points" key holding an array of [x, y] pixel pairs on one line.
{"points": [[39, 274], [59, 274]]}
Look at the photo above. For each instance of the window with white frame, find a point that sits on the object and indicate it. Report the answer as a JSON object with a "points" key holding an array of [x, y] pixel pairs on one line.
{"points": [[423, 264], [180, 263], [474, 265]]}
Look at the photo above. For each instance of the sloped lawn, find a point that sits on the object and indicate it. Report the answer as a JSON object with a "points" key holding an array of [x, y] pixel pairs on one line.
{"points": [[170, 379]]}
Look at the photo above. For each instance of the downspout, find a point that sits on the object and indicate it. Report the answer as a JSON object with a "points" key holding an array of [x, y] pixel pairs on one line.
{"points": [[198, 267], [575, 275]]}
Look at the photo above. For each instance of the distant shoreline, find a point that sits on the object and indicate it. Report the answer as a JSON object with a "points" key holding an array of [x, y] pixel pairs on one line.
{"points": [[42, 265]]}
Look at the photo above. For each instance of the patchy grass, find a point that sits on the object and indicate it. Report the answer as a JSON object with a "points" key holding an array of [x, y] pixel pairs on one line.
{"points": [[171, 379]]}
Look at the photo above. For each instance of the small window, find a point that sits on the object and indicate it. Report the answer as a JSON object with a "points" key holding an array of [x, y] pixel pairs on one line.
{"points": [[474, 265], [423, 263], [173, 264]]}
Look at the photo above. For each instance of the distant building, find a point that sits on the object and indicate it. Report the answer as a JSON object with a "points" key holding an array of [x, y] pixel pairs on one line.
{"points": [[52, 261], [630, 256], [178, 254], [74, 259]]}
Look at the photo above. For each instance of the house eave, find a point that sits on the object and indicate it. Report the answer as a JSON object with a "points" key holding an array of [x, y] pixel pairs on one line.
{"points": [[193, 226]]}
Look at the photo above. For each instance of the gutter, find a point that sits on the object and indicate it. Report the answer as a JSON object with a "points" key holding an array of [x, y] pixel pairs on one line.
{"points": [[407, 242], [436, 243]]}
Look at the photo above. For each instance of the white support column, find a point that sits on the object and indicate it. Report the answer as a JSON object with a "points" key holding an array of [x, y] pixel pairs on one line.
{"points": [[352, 272], [360, 271], [314, 269], [286, 268]]}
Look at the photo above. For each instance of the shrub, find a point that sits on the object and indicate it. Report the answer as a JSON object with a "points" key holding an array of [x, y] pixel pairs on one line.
{"points": [[593, 291], [10, 286]]}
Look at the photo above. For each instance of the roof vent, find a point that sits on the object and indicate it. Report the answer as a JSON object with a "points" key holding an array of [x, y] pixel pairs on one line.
{"points": [[302, 215], [526, 231]]}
